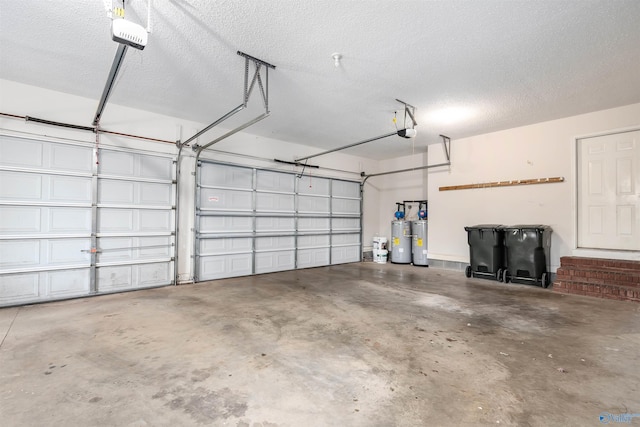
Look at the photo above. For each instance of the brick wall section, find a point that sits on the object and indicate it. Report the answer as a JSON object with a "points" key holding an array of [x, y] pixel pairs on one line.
{"points": [[599, 277]]}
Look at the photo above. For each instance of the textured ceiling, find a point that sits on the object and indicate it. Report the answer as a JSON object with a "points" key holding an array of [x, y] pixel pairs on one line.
{"points": [[468, 67]]}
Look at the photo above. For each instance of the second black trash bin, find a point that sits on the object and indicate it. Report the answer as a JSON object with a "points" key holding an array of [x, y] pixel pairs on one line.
{"points": [[486, 251], [527, 254]]}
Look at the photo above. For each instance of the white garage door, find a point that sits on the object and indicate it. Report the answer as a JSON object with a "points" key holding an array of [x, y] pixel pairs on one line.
{"points": [[135, 224], [70, 227], [252, 221]]}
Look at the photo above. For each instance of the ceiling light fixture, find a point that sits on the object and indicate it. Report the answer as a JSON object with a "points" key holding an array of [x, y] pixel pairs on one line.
{"points": [[336, 59], [451, 115]]}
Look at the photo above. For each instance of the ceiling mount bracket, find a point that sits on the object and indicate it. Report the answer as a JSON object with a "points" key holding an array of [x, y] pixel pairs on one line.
{"points": [[446, 144], [409, 110], [246, 95]]}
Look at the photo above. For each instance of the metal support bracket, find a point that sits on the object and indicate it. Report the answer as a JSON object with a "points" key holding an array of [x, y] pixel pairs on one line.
{"points": [[248, 89], [446, 144], [409, 110]]}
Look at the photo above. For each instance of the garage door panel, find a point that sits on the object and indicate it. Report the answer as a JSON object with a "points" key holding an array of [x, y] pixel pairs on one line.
{"points": [[268, 262], [345, 206], [115, 249], [155, 274], [270, 224], [44, 253], [153, 247], [225, 224], [134, 276], [345, 224], [311, 204], [313, 185], [26, 153], [155, 220], [313, 241], [345, 239], [134, 193], [69, 189], [226, 176], [15, 219], [155, 167], [313, 224], [345, 189], [30, 187], [123, 220], [13, 152], [275, 243], [116, 191], [16, 254], [64, 157], [42, 286], [135, 165], [134, 248], [32, 220], [217, 199], [155, 194], [114, 277], [220, 246], [68, 252], [275, 181], [221, 266], [115, 220], [17, 288], [69, 220], [313, 257], [20, 186], [344, 254], [116, 163], [273, 202], [68, 283]]}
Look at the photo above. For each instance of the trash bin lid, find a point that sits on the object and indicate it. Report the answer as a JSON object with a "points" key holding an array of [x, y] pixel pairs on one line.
{"points": [[538, 227], [485, 227]]}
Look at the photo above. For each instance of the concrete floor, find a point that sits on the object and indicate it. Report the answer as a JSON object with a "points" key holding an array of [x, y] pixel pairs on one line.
{"points": [[351, 345]]}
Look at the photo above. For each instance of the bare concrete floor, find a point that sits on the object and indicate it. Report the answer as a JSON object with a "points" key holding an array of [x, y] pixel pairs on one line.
{"points": [[351, 345]]}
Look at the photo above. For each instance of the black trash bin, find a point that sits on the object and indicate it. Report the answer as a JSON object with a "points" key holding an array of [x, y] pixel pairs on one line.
{"points": [[486, 251], [527, 254]]}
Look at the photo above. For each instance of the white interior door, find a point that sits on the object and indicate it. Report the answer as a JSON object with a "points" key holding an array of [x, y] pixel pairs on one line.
{"points": [[609, 191]]}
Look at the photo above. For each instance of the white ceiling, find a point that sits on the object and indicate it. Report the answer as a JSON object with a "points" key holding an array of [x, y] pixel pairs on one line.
{"points": [[496, 64]]}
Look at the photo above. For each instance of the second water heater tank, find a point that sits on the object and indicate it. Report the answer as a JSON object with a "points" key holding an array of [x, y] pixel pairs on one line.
{"points": [[419, 242]]}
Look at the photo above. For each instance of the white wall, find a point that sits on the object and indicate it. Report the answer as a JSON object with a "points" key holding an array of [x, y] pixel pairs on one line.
{"points": [[537, 151], [24, 100]]}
